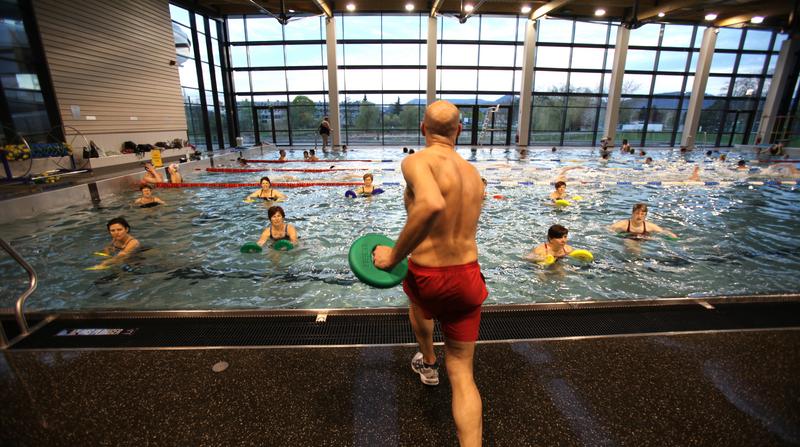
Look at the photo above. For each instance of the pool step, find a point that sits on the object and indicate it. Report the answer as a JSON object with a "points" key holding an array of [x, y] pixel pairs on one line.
{"points": [[364, 328]]}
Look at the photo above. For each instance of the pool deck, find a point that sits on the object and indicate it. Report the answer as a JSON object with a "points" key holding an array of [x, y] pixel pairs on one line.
{"points": [[687, 388]]}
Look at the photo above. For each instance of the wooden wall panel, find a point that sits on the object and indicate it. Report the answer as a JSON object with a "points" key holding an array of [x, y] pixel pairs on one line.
{"points": [[111, 58]]}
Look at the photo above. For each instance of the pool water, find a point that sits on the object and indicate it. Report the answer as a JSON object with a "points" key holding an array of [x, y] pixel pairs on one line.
{"points": [[734, 238]]}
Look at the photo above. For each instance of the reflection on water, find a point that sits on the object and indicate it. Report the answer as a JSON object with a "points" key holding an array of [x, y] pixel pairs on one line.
{"points": [[733, 239]]}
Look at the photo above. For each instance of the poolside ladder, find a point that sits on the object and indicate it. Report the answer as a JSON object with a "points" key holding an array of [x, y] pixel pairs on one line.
{"points": [[488, 123], [20, 304]]}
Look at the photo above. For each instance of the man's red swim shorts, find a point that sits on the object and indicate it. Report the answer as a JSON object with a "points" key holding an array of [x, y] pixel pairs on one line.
{"points": [[453, 295]]}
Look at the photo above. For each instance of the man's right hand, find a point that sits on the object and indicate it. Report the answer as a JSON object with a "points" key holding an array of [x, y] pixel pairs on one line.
{"points": [[382, 257]]}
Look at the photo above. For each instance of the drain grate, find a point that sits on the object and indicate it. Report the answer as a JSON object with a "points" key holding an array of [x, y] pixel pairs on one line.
{"points": [[394, 328]]}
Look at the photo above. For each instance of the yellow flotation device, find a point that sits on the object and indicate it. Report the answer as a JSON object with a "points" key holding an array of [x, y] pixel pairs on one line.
{"points": [[581, 255], [548, 260], [562, 202]]}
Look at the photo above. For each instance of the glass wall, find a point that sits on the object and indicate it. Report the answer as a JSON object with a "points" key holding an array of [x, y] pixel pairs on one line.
{"points": [[280, 78], [382, 77], [480, 68], [201, 69], [571, 78], [659, 71], [741, 70], [23, 107]]}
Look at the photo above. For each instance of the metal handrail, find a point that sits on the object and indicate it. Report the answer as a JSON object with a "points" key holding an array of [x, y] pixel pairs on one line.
{"points": [[20, 305]]}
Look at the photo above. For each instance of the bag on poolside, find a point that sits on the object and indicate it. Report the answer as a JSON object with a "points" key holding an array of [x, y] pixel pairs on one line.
{"points": [[128, 147]]}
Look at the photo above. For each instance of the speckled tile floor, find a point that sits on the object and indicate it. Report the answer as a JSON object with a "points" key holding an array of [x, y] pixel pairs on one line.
{"points": [[720, 389]]}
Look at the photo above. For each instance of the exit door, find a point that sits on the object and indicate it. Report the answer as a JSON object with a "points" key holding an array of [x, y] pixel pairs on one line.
{"points": [[271, 125]]}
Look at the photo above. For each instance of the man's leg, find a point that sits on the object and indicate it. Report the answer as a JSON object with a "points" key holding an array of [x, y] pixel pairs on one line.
{"points": [[467, 410], [423, 330]]}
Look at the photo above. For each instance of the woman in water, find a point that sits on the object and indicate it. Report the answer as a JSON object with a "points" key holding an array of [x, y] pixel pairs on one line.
{"points": [[278, 228], [368, 188], [555, 248], [122, 243], [266, 193], [637, 227], [173, 174], [561, 191], [148, 200]]}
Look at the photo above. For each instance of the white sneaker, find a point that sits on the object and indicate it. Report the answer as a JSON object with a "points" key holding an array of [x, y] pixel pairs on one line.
{"points": [[427, 374]]}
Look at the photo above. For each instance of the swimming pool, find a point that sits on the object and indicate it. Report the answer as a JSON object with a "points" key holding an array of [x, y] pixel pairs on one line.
{"points": [[735, 238]]}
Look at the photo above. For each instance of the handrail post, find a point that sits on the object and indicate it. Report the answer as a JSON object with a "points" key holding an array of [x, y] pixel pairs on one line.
{"points": [[19, 308]]}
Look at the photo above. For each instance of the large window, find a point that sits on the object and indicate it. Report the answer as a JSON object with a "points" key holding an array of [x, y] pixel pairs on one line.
{"points": [[202, 72], [738, 82], [382, 78], [571, 76], [280, 78], [659, 71], [23, 109], [479, 69]]}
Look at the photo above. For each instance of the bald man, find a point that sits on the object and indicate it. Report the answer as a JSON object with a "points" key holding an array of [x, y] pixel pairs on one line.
{"points": [[443, 201]]}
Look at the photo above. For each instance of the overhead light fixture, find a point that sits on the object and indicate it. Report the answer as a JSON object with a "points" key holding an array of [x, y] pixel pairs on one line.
{"points": [[468, 7], [661, 13], [409, 6], [710, 16], [292, 11], [351, 6], [757, 19], [599, 12], [526, 9]]}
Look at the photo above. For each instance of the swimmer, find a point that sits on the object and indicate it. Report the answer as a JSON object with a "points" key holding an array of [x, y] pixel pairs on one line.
{"points": [[405, 150], [368, 188], [695, 177], [637, 227], [266, 193], [553, 149], [625, 148], [344, 148], [242, 162], [560, 193], [642, 153], [562, 174], [777, 150], [122, 243], [485, 184], [648, 160], [741, 165], [782, 170], [282, 155], [410, 151], [278, 228], [148, 199], [723, 158], [173, 174], [556, 245], [151, 176], [312, 155], [306, 156]]}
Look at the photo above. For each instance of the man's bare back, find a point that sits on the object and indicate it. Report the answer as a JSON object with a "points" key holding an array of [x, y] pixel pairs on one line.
{"points": [[451, 240], [443, 199]]}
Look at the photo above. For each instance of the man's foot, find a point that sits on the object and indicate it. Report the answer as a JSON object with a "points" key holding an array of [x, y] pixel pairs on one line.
{"points": [[428, 374]]}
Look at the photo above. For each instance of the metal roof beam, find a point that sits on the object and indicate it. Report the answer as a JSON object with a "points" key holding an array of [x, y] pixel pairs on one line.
{"points": [[547, 8]]}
